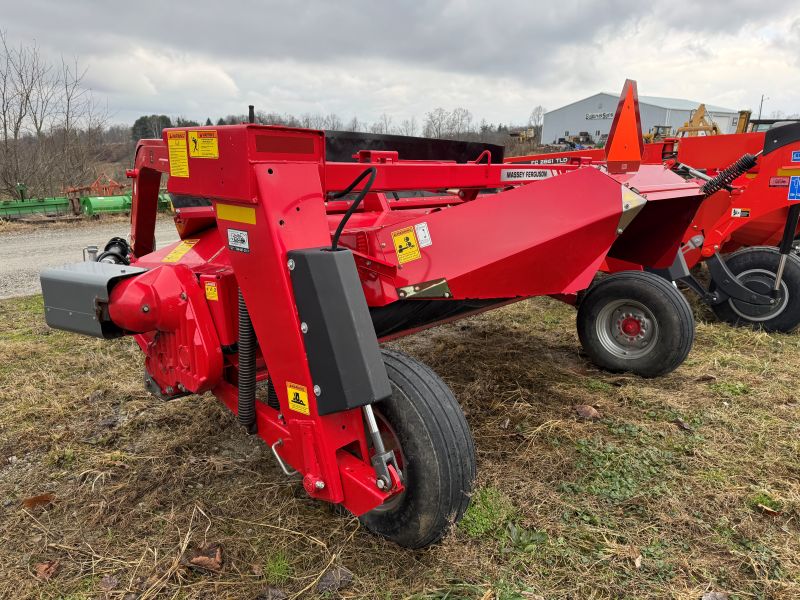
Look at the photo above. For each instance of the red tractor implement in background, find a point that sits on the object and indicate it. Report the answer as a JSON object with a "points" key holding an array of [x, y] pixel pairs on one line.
{"points": [[291, 268], [745, 228]]}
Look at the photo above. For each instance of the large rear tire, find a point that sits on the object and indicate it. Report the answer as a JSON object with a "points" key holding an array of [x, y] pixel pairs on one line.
{"points": [[755, 268], [425, 427], [635, 321]]}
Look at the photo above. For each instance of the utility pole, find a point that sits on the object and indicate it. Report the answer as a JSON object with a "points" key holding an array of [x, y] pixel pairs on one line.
{"points": [[760, 106]]}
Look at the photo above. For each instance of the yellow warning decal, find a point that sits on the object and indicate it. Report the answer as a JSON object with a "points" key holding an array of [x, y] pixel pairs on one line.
{"points": [[212, 293], [203, 144], [178, 158], [237, 214], [298, 397], [788, 171], [179, 251], [405, 245]]}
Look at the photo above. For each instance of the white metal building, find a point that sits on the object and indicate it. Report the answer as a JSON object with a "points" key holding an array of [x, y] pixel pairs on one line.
{"points": [[595, 114]]}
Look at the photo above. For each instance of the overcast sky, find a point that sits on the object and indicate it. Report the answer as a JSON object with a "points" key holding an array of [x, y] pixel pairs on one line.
{"points": [[207, 58]]}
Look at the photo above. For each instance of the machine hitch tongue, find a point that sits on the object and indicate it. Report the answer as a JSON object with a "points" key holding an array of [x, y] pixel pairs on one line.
{"points": [[382, 460]]}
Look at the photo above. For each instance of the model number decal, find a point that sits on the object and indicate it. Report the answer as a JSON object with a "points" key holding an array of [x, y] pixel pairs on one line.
{"points": [[796, 156], [740, 212], [524, 174], [238, 241]]}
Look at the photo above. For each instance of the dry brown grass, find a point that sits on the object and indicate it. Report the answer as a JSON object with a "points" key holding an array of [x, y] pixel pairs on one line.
{"points": [[563, 509]]}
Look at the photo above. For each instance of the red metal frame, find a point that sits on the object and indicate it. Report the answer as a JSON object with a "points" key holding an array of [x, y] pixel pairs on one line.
{"points": [[754, 213]]}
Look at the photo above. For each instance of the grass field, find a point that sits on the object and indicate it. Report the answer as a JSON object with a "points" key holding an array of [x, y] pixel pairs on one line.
{"points": [[685, 485]]}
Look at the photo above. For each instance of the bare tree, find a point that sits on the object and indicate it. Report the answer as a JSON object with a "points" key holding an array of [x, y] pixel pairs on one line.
{"points": [[535, 122], [354, 125], [537, 116], [383, 125], [409, 127], [459, 123], [436, 123], [50, 127], [333, 122]]}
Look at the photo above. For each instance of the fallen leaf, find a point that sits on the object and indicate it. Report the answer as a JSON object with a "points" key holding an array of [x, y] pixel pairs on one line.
{"points": [[40, 500], [587, 412], [257, 570], [767, 510], [208, 557], [272, 593], [705, 378], [108, 583], [47, 570], [635, 555], [506, 422], [683, 425], [716, 596], [335, 579]]}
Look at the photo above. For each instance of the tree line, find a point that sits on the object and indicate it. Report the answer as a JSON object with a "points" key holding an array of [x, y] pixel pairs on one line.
{"points": [[457, 123], [51, 128]]}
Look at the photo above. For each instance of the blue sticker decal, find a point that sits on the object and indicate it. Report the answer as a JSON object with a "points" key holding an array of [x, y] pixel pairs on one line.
{"points": [[795, 155], [794, 187]]}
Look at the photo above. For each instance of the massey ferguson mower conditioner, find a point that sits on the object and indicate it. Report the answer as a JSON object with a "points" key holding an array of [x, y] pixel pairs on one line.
{"points": [[292, 268]]}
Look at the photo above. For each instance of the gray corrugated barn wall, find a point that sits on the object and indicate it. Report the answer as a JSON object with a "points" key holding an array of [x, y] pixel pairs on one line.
{"points": [[600, 108]]}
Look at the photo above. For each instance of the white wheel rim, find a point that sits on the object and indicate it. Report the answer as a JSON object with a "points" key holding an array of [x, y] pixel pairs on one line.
{"points": [[627, 329]]}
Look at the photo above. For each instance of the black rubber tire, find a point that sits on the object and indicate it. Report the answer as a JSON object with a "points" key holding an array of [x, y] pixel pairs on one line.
{"points": [[438, 451], [763, 258], [668, 307]]}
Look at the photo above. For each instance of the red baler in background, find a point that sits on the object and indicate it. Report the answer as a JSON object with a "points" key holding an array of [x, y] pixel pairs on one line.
{"points": [[745, 228], [291, 268]]}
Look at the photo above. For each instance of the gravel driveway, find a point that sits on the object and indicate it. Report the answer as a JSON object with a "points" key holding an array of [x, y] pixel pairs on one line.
{"points": [[23, 253]]}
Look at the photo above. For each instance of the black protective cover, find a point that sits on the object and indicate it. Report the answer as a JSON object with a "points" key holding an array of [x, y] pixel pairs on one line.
{"points": [[340, 146], [341, 346], [778, 137]]}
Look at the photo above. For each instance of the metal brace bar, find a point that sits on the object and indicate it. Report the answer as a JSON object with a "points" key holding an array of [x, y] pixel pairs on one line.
{"points": [[730, 286], [785, 247], [382, 459]]}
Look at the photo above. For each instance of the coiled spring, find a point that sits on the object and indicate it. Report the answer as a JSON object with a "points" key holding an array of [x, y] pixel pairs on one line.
{"points": [[725, 177]]}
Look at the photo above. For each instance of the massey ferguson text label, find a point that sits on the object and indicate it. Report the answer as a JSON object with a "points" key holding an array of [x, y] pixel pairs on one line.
{"points": [[524, 174]]}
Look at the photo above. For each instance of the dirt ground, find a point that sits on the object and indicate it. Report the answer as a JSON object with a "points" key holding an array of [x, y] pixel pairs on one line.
{"points": [[684, 486], [25, 249]]}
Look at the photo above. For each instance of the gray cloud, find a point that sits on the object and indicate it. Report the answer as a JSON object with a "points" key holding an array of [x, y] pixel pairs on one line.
{"points": [[350, 55]]}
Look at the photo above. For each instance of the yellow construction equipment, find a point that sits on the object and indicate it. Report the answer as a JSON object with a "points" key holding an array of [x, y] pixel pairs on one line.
{"points": [[698, 124], [744, 121]]}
